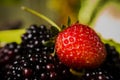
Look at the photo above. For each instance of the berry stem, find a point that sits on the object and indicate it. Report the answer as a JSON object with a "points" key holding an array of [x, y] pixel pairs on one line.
{"points": [[53, 54], [41, 16], [74, 72]]}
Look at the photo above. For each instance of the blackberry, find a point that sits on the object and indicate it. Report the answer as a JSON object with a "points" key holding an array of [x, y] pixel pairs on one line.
{"points": [[113, 58], [34, 32], [34, 38], [37, 67], [97, 74], [8, 52], [112, 62]]}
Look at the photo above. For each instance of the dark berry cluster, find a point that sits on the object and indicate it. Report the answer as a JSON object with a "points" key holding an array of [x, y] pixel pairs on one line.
{"points": [[97, 74], [32, 59], [35, 39], [8, 52], [113, 57], [37, 67], [112, 62], [7, 55]]}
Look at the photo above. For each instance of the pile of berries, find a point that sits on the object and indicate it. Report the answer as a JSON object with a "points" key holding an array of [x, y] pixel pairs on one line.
{"points": [[32, 59], [35, 59]]}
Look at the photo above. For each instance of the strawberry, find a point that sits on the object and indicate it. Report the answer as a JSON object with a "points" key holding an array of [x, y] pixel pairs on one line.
{"points": [[79, 46]]}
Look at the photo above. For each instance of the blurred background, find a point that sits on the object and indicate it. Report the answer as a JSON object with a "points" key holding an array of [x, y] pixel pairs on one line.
{"points": [[102, 15], [12, 16]]}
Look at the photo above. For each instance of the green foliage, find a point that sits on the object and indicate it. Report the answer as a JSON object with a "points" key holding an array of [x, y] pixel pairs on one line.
{"points": [[69, 21], [11, 35], [112, 43], [89, 10]]}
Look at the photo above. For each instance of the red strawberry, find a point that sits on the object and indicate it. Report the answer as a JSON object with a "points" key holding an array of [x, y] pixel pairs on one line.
{"points": [[80, 47]]}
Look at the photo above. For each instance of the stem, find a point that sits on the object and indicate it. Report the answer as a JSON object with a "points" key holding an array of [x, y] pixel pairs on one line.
{"points": [[41, 16], [77, 73], [53, 54]]}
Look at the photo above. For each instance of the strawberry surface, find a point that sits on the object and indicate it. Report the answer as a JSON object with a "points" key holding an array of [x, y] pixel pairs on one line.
{"points": [[79, 46]]}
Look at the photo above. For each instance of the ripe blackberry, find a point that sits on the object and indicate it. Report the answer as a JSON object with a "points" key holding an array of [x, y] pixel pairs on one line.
{"points": [[113, 58], [112, 62], [34, 32], [37, 67], [34, 38], [8, 52], [97, 74]]}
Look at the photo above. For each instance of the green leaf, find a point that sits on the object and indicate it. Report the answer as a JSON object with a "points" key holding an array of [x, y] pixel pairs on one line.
{"points": [[112, 43], [69, 21], [11, 35], [89, 10], [49, 43]]}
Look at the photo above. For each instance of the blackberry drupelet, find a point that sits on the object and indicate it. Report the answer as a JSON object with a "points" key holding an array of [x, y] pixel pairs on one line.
{"points": [[34, 38], [8, 52], [34, 32], [97, 74], [112, 62], [37, 67], [113, 57]]}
